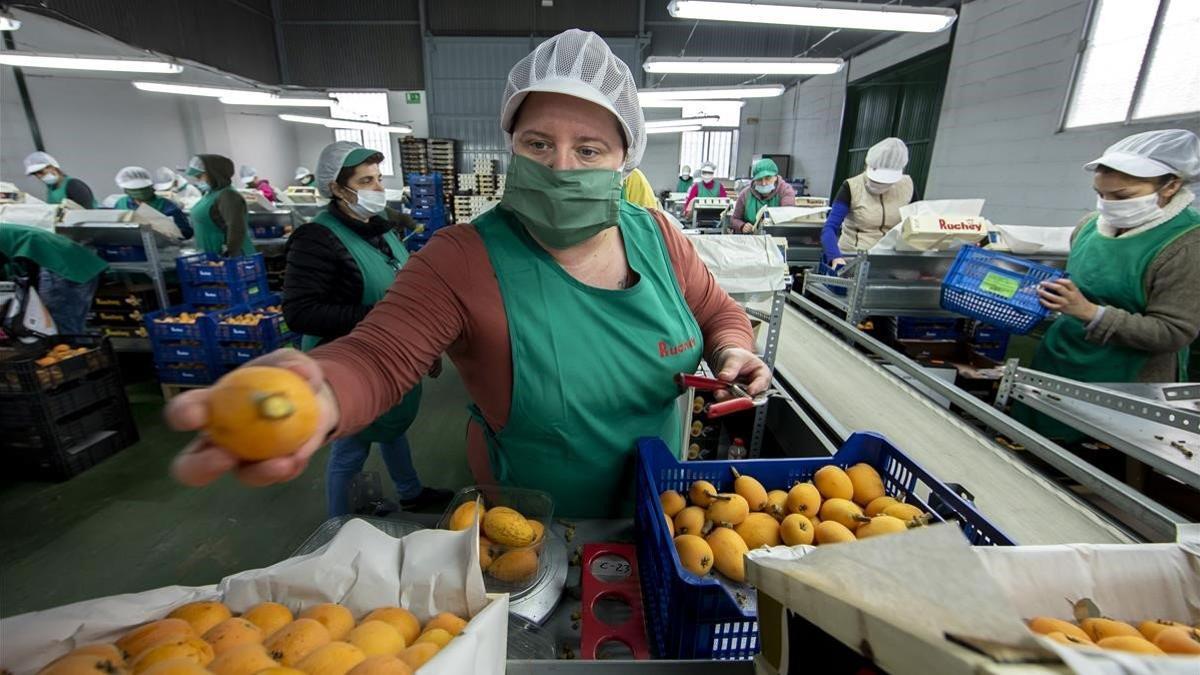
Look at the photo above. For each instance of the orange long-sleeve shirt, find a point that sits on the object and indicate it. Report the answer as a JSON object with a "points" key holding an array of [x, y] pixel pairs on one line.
{"points": [[447, 299]]}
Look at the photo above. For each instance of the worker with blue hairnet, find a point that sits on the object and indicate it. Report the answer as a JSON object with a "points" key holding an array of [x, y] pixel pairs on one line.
{"points": [[568, 311]]}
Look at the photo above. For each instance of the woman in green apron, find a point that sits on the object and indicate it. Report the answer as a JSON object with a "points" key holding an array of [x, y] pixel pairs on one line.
{"points": [[219, 218], [1131, 303], [767, 189], [685, 179], [338, 266], [59, 186], [707, 186], [67, 272], [138, 185], [567, 311]]}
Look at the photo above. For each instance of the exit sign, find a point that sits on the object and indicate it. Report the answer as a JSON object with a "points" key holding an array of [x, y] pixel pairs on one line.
{"points": [[412, 97]]}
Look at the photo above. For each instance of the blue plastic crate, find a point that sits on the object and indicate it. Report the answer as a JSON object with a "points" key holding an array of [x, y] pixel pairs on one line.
{"points": [[267, 231], [188, 373], [121, 252], [232, 293], [917, 328], [435, 213], [691, 617], [997, 288], [198, 268], [427, 201], [171, 351], [415, 180], [236, 353], [157, 330]]}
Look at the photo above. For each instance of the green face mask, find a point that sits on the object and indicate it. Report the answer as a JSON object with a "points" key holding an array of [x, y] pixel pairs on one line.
{"points": [[561, 208], [141, 194]]}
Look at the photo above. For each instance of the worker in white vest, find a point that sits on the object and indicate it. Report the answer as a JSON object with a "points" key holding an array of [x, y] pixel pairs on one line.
{"points": [[868, 205]]}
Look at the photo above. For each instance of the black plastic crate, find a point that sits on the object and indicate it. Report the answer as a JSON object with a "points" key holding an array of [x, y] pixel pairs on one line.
{"points": [[60, 435], [61, 465], [20, 411], [21, 374]]}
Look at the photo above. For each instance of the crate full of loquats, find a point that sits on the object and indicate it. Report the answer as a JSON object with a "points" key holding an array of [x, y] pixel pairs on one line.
{"points": [[697, 520], [364, 604]]}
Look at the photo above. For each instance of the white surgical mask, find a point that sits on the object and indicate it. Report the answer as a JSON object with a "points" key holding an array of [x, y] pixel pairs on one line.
{"points": [[764, 189], [877, 188], [707, 177], [203, 186], [49, 179], [370, 203], [1124, 214]]}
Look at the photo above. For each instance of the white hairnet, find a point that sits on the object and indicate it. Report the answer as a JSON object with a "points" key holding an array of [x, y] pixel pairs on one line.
{"points": [[133, 177], [164, 178], [685, 170], [886, 160], [708, 167], [580, 64], [301, 172], [247, 174], [36, 161], [1154, 153], [336, 156]]}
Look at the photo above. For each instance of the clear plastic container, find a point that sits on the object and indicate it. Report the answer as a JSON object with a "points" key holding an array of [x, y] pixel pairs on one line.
{"points": [[533, 504]]}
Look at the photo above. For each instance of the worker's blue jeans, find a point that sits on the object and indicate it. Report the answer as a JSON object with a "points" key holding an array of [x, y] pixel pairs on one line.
{"points": [[346, 459], [67, 301]]}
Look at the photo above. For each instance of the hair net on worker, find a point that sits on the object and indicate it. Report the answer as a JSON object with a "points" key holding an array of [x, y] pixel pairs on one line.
{"points": [[335, 157], [133, 178], [708, 167], [764, 168], [886, 160], [164, 178], [1154, 153], [580, 64], [301, 172], [36, 161], [685, 170], [247, 173]]}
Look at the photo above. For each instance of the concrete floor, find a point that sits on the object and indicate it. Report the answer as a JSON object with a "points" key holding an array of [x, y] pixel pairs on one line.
{"points": [[125, 526]]}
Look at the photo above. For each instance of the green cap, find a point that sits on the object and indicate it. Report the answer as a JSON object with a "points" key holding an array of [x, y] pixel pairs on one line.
{"points": [[358, 156], [765, 167]]}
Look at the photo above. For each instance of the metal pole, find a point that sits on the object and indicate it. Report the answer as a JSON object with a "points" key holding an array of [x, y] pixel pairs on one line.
{"points": [[26, 103]]}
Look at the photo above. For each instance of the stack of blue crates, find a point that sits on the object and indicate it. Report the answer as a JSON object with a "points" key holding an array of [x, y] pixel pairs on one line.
{"points": [[428, 206], [988, 341], [209, 280]]}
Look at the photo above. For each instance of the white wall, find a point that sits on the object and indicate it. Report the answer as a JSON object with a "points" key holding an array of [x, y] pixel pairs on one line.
{"points": [[998, 137]]}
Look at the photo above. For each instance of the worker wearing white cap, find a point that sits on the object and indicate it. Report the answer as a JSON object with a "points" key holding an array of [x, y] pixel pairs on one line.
{"points": [[138, 185], [685, 179], [567, 310], [707, 186], [250, 179], [1131, 304], [59, 185], [868, 205], [170, 184], [302, 178]]}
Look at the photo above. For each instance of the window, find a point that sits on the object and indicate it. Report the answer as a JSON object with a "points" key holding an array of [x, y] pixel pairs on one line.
{"points": [[365, 107], [718, 147], [1139, 63]]}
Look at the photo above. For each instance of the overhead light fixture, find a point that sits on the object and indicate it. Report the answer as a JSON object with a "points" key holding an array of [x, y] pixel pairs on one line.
{"points": [[68, 62], [703, 65], [708, 93], [818, 13], [347, 124], [273, 100], [682, 102], [196, 90], [9, 23], [673, 130], [702, 121]]}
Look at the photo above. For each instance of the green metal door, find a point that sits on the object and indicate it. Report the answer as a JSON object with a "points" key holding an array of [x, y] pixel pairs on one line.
{"points": [[903, 101]]}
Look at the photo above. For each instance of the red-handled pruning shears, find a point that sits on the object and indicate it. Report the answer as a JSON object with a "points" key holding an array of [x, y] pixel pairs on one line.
{"points": [[742, 400]]}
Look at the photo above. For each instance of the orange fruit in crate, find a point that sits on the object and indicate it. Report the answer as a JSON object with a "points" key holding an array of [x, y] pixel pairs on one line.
{"points": [[259, 412]]}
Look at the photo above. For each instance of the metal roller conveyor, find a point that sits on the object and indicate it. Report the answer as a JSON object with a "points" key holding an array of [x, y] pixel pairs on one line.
{"points": [[858, 394]]}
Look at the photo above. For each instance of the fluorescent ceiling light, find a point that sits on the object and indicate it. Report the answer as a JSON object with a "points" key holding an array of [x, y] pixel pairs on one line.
{"points": [[196, 90], [683, 121], [682, 102], [673, 130], [66, 62], [273, 100], [347, 124], [703, 65], [817, 13], [8, 23], [708, 93]]}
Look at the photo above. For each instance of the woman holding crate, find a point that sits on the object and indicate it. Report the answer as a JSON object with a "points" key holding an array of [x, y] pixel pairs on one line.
{"points": [[1131, 303], [568, 311]]}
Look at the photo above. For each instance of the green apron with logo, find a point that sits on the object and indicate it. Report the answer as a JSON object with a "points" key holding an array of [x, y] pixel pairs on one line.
{"points": [[1108, 271], [378, 273], [593, 369], [714, 191], [684, 185], [209, 236], [59, 192], [754, 204]]}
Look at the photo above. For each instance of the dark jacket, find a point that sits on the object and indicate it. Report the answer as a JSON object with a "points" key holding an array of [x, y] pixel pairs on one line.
{"points": [[229, 211], [322, 285]]}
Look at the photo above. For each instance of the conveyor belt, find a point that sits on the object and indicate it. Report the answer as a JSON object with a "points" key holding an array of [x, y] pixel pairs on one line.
{"points": [[861, 395]]}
